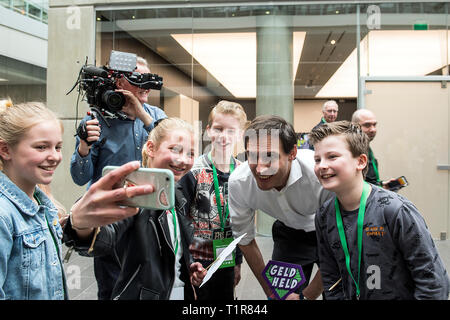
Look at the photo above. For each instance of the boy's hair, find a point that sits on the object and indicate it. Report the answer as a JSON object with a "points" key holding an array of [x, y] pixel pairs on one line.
{"points": [[17, 119], [227, 107], [162, 129], [357, 140], [270, 124]]}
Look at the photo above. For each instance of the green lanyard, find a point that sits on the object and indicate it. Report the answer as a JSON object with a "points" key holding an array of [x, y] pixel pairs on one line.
{"points": [[374, 165], [217, 192], [174, 216], [361, 211]]}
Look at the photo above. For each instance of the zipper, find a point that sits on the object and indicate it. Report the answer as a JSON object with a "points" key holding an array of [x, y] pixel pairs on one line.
{"points": [[171, 248], [156, 234], [165, 237], [68, 254], [126, 286]]}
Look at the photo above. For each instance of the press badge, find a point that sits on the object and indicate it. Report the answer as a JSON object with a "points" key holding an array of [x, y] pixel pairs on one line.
{"points": [[221, 240]]}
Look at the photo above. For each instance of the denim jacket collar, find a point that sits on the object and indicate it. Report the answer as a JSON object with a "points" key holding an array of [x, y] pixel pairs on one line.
{"points": [[21, 199]]}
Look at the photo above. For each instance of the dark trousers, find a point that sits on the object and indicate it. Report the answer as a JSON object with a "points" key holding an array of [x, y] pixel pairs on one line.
{"points": [[219, 287], [106, 270], [295, 246]]}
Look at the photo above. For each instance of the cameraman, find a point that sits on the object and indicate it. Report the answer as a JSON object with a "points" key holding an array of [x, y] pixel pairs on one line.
{"points": [[120, 143]]}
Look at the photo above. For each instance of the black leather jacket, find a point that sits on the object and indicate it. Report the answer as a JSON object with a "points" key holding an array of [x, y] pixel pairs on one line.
{"points": [[142, 245]]}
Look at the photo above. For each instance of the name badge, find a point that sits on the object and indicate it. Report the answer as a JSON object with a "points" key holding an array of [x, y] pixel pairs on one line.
{"points": [[221, 240]]}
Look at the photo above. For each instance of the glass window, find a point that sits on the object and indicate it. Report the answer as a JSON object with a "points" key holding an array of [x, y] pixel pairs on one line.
{"points": [[34, 11], [301, 52], [396, 43], [20, 6]]}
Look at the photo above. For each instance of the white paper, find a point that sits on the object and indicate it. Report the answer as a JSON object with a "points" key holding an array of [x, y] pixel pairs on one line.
{"points": [[221, 258]]}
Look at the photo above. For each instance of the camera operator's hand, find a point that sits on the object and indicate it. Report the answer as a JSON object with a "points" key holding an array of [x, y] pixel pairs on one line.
{"points": [[133, 108], [93, 134]]}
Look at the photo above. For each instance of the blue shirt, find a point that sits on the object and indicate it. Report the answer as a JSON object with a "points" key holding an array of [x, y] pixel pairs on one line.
{"points": [[30, 248], [124, 141]]}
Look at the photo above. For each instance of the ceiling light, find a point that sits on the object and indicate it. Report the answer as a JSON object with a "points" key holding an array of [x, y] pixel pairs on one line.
{"points": [[333, 42], [390, 53], [231, 57]]}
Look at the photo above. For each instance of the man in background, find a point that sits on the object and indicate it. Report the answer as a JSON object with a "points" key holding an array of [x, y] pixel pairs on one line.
{"points": [[330, 111]]}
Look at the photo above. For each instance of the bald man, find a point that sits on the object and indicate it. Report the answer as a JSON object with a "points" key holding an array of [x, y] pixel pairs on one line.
{"points": [[368, 122]]}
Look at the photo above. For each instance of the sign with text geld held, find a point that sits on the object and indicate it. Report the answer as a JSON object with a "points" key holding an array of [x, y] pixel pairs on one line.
{"points": [[283, 278]]}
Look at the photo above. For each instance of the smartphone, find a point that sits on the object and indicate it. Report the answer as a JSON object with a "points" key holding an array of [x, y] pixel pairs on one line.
{"points": [[163, 198], [398, 183]]}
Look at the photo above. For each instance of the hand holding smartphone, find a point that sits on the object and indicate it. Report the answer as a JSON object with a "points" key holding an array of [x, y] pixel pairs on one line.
{"points": [[397, 184], [162, 198]]}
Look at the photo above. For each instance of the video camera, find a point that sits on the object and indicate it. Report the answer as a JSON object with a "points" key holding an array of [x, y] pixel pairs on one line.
{"points": [[99, 83]]}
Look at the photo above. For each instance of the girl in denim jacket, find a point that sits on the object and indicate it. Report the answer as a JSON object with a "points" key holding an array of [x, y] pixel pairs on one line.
{"points": [[30, 234]]}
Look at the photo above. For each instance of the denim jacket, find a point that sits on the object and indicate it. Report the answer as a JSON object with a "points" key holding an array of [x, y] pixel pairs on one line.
{"points": [[30, 264]]}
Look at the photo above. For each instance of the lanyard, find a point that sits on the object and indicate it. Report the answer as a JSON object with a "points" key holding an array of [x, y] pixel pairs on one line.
{"points": [[374, 165], [174, 216], [361, 211], [217, 192]]}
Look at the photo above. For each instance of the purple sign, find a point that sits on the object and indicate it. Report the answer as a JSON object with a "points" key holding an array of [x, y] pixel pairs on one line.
{"points": [[283, 278]]}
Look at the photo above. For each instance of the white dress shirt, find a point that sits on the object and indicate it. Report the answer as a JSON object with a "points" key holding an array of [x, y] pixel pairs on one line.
{"points": [[295, 205]]}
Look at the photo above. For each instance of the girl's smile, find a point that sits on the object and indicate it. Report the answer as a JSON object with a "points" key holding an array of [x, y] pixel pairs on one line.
{"points": [[35, 158]]}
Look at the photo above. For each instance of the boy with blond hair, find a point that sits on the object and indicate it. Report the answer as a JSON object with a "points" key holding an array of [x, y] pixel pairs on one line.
{"points": [[205, 187], [373, 243]]}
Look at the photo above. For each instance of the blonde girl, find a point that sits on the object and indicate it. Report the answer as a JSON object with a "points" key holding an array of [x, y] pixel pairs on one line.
{"points": [[30, 235], [205, 188], [152, 245]]}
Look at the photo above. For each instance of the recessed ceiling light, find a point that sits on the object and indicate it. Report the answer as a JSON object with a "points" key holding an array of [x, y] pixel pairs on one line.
{"points": [[333, 42], [231, 57]]}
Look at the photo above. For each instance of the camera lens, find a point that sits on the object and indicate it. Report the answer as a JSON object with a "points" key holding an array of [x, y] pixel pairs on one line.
{"points": [[114, 100]]}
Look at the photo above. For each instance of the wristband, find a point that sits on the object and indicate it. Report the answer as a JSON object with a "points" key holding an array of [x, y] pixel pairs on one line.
{"points": [[73, 226]]}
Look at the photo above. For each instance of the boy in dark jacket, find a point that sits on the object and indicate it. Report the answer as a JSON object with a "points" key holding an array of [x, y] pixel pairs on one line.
{"points": [[373, 243]]}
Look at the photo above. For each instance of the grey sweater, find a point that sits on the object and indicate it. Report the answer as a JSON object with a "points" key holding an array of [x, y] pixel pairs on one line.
{"points": [[399, 258]]}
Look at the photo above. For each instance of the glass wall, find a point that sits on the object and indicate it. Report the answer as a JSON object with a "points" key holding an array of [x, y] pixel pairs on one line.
{"points": [[288, 59], [274, 57]]}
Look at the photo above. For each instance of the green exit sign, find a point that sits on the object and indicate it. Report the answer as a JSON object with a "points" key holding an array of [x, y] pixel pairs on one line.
{"points": [[420, 26]]}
